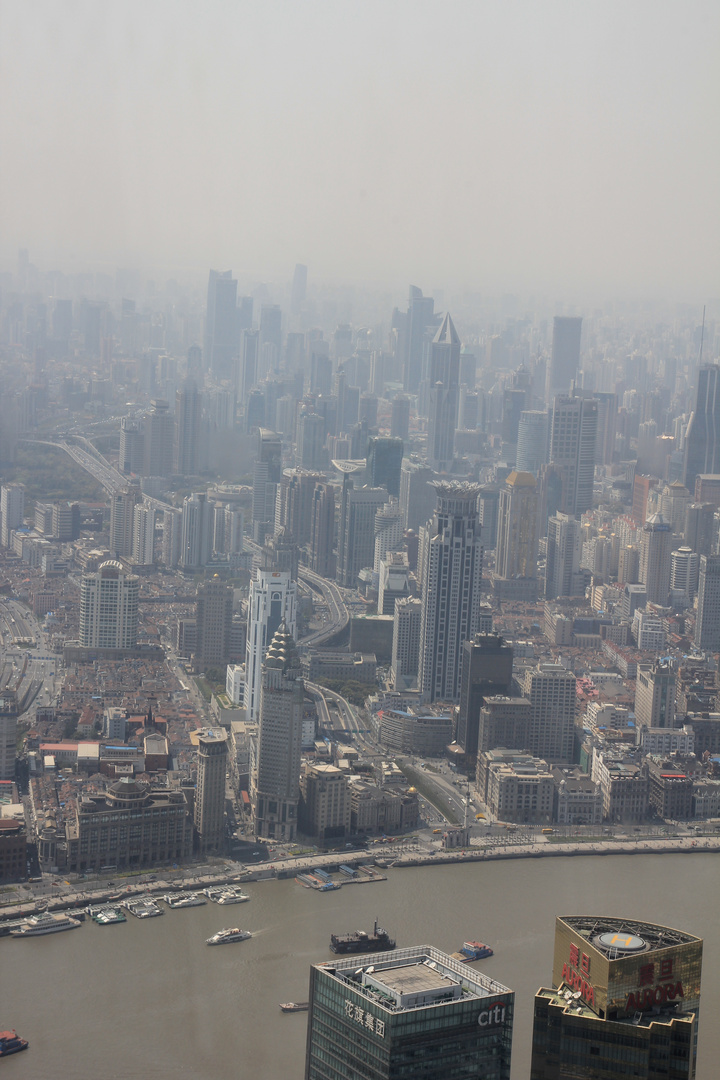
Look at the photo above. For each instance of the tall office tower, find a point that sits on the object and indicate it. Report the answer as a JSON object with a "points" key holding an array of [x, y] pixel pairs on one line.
{"points": [[109, 608], [684, 567], [221, 324], [384, 462], [532, 442], [674, 501], [698, 532], [299, 489], [212, 763], [487, 664], [552, 693], [405, 643], [267, 471], [393, 581], [606, 428], [572, 451], [188, 413], [270, 339], [322, 531], [655, 695], [171, 537], [629, 565], [143, 546], [66, 521], [707, 623], [356, 539], [213, 615], [368, 410], [642, 487], [400, 417], [197, 531], [194, 365], [417, 495], [158, 440], [280, 552], [411, 329], [234, 529], [249, 358], [12, 507], [469, 410], [298, 292], [389, 531], [452, 578], [320, 369], [273, 599], [563, 576], [655, 550], [489, 514], [132, 448], [379, 1019], [702, 439], [276, 780], [517, 540], [565, 359], [311, 436], [122, 509], [638, 1004], [444, 376], [8, 733], [514, 402]]}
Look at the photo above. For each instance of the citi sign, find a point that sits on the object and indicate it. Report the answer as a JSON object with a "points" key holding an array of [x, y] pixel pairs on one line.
{"points": [[492, 1017]]}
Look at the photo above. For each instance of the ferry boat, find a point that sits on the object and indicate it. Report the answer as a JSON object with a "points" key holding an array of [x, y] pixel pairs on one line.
{"points": [[358, 941], [475, 950], [184, 899], [224, 937], [231, 896], [143, 907], [107, 916], [295, 1006], [45, 923], [11, 1043]]}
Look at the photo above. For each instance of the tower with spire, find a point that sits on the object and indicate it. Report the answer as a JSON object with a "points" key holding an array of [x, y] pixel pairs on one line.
{"points": [[276, 776], [444, 378]]}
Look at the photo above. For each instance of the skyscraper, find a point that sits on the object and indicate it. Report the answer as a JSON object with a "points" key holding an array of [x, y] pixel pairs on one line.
{"points": [[412, 328], [143, 545], [444, 378], [417, 495], [273, 599], [452, 578], [322, 531], [276, 779], [213, 613], [486, 671], [565, 359], [249, 355], [8, 733], [210, 793], [624, 1000], [221, 324], [400, 417], [122, 510], [405, 643], [380, 1016], [267, 471], [702, 440], [655, 695], [109, 608], [563, 576], [12, 507], [356, 542], [532, 442], [388, 531], [188, 412], [572, 451], [196, 531], [384, 461], [517, 540], [707, 623], [158, 440], [552, 693], [655, 552]]}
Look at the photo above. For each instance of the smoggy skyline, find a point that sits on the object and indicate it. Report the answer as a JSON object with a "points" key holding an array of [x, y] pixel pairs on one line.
{"points": [[491, 146]]}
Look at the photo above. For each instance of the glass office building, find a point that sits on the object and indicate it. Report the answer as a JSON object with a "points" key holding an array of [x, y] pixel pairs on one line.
{"points": [[624, 1001], [406, 1013]]}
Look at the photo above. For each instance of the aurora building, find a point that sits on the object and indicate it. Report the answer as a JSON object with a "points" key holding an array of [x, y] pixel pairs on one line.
{"points": [[624, 1001]]}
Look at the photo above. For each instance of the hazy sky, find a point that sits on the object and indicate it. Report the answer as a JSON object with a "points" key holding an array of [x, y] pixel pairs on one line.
{"points": [[493, 145]]}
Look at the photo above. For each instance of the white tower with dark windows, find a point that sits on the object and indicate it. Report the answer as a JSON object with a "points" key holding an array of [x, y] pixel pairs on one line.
{"points": [[452, 577], [273, 599], [109, 608]]}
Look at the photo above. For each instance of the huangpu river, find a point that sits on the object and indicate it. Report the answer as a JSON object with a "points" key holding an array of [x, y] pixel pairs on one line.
{"points": [[148, 1000]]}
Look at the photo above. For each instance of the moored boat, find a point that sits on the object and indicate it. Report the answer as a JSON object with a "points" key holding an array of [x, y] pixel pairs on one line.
{"points": [[184, 899], [358, 941], [475, 950], [11, 1043], [45, 923], [107, 916], [224, 937], [295, 1006]]}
